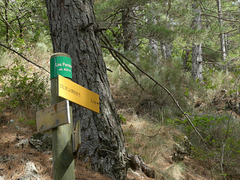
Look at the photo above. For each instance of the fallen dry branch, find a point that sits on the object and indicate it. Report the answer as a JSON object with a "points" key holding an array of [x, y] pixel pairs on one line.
{"points": [[136, 163]]}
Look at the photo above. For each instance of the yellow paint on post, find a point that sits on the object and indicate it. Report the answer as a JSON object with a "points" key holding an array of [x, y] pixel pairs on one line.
{"points": [[78, 94], [53, 116]]}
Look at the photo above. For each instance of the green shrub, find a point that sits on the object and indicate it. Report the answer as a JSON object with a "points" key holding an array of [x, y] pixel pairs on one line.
{"points": [[21, 89], [221, 132]]}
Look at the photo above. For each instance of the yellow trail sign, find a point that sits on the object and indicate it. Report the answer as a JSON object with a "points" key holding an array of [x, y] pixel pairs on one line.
{"points": [[78, 94]]}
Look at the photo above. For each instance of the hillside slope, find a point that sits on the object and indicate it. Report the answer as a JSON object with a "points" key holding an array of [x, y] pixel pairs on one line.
{"points": [[155, 144]]}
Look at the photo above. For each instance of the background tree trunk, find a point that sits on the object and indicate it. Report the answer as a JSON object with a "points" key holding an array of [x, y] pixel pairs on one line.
{"points": [[197, 47], [6, 18], [154, 50], [153, 43], [222, 38], [73, 28], [130, 40], [166, 50]]}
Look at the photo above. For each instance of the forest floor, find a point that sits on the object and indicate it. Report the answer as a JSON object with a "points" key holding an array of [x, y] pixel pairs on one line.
{"points": [[21, 161], [18, 160]]}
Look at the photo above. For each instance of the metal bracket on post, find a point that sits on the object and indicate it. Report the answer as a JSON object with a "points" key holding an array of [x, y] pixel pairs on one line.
{"points": [[76, 138]]}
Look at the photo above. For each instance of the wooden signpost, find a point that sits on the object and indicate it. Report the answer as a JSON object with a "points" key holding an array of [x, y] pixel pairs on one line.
{"points": [[53, 116], [66, 139]]}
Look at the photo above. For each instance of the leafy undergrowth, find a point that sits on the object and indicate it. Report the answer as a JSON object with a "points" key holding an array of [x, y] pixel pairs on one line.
{"points": [[154, 141]]}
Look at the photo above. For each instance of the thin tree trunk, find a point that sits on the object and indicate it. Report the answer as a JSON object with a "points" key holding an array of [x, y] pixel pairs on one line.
{"points": [[166, 45], [73, 28], [222, 38], [239, 17], [153, 43], [20, 28], [130, 40], [197, 47], [154, 48], [6, 18], [197, 62], [166, 50]]}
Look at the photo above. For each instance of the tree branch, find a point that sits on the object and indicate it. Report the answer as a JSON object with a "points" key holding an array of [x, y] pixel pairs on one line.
{"points": [[24, 57], [119, 60], [168, 92], [230, 20], [7, 23]]}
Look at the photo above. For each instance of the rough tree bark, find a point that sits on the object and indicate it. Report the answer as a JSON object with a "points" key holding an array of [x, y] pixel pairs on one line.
{"points": [[74, 31], [197, 47]]}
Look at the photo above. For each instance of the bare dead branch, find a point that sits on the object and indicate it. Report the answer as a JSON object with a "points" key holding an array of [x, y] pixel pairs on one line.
{"points": [[24, 57], [224, 19], [168, 92], [119, 60]]}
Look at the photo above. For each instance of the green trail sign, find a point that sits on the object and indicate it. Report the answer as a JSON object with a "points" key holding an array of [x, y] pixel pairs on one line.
{"points": [[61, 64]]}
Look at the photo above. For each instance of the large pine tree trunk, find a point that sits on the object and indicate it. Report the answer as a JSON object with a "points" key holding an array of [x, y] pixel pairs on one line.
{"points": [[73, 31]]}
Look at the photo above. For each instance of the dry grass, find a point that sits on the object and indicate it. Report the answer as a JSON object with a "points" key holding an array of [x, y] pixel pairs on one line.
{"points": [[154, 143]]}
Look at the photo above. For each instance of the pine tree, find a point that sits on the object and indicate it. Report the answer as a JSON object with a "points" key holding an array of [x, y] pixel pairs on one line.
{"points": [[73, 31]]}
